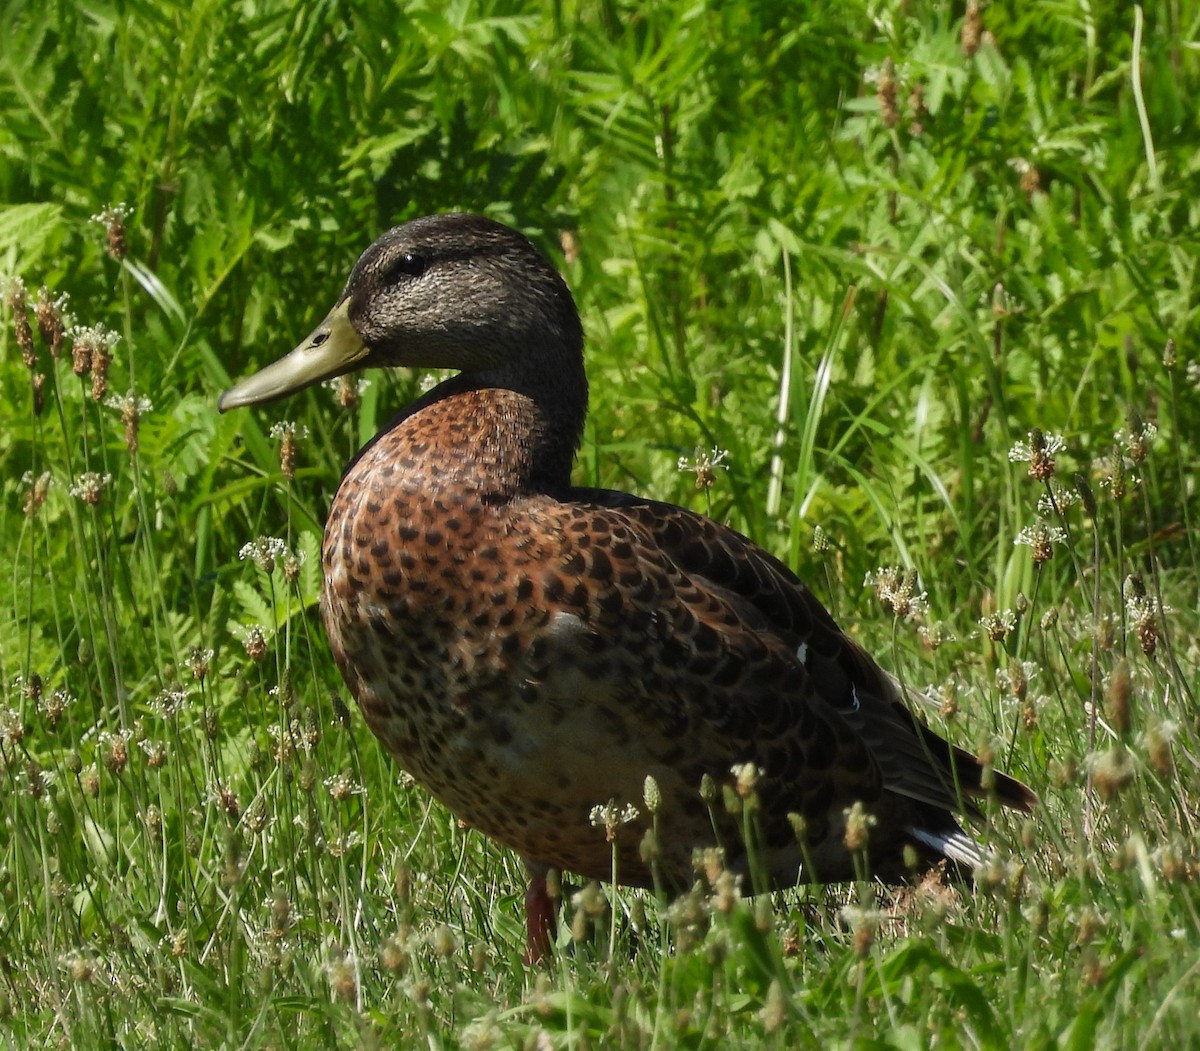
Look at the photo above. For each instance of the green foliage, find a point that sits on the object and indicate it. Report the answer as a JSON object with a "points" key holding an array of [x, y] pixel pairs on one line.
{"points": [[863, 249]]}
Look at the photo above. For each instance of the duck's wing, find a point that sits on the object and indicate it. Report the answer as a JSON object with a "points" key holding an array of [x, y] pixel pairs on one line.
{"points": [[844, 683]]}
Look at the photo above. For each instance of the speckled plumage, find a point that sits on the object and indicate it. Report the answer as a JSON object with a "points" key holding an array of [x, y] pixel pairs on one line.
{"points": [[527, 649]]}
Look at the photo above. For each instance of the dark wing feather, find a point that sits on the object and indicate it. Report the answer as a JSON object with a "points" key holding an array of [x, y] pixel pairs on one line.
{"points": [[769, 597]]}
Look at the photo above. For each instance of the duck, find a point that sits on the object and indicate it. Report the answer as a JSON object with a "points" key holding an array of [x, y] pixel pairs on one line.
{"points": [[535, 653]]}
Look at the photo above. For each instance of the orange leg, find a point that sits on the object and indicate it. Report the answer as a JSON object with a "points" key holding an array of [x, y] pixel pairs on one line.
{"points": [[541, 915]]}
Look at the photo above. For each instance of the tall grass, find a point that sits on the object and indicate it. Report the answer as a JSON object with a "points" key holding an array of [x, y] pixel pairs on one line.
{"points": [[890, 259]]}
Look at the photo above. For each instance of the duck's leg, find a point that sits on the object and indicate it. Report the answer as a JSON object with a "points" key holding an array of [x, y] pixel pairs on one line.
{"points": [[541, 914]]}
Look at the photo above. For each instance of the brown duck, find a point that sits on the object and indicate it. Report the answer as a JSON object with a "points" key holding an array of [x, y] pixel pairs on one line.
{"points": [[528, 649]]}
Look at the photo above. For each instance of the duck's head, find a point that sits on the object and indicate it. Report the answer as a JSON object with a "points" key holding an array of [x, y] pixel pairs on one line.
{"points": [[447, 291]]}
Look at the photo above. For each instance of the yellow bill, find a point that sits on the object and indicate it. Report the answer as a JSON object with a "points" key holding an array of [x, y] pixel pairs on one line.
{"points": [[332, 349]]}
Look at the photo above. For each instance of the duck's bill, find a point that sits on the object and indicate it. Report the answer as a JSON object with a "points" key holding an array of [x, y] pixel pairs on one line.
{"points": [[332, 349]]}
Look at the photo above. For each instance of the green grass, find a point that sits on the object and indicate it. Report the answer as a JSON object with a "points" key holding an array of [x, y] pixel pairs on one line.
{"points": [[863, 262]]}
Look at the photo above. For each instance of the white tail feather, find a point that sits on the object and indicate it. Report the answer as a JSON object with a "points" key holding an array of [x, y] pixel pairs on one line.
{"points": [[955, 845]]}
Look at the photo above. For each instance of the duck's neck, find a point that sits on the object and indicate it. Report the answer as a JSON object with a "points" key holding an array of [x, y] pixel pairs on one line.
{"points": [[499, 436]]}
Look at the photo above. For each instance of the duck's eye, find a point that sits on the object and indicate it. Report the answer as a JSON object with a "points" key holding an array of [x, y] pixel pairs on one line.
{"points": [[406, 265]]}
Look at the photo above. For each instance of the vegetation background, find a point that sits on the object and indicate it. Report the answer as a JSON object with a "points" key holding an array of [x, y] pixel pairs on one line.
{"points": [[840, 260]]}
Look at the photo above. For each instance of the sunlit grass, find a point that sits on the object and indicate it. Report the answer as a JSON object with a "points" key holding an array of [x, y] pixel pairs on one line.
{"points": [[936, 320]]}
